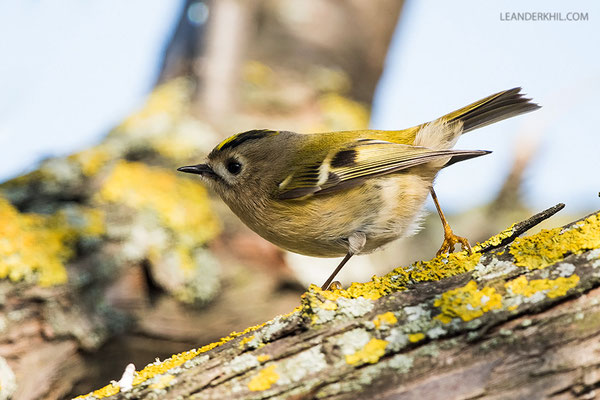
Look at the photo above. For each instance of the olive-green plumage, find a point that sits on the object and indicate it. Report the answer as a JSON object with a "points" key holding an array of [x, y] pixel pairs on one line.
{"points": [[338, 193]]}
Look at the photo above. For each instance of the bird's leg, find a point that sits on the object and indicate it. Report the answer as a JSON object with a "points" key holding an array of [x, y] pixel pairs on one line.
{"points": [[356, 242], [450, 239], [339, 267]]}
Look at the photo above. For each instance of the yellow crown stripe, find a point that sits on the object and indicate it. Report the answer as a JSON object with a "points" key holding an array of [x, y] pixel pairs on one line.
{"points": [[229, 139], [238, 138]]}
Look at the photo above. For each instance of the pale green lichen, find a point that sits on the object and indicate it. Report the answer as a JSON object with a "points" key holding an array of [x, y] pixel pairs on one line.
{"points": [[493, 269], [242, 363], [401, 363], [397, 339], [296, 368], [436, 332], [351, 341], [565, 269]]}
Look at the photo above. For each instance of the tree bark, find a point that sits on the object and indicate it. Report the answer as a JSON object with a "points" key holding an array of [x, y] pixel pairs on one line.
{"points": [[518, 319]]}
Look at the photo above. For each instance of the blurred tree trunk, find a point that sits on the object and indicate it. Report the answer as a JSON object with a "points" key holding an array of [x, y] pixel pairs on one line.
{"points": [[184, 47], [352, 36]]}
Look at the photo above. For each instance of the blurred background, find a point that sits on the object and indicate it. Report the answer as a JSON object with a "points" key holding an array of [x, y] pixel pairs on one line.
{"points": [[108, 256]]}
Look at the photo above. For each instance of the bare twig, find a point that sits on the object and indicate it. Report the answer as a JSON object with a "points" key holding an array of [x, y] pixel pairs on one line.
{"points": [[523, 226]]}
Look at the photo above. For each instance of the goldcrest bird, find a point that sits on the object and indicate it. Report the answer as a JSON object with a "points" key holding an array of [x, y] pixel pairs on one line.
{"points": [[337, 194]]}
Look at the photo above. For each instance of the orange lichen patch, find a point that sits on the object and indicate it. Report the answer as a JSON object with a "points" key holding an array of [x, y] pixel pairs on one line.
{"points": [[263, 357], [387, 318], [416, 337], [180, 203], [33, 246], [550, 246], [370, 353], [551, 287], [265, 378], [467, 302]]}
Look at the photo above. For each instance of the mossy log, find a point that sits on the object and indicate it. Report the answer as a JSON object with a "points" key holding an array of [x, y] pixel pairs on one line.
{"points": [[518, 319]]}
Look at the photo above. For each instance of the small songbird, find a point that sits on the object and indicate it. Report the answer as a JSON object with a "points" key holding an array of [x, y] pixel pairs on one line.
{"points": [[337, 194]]}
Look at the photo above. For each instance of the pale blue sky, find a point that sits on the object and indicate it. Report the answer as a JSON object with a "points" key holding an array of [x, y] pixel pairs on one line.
{"points": [[447, 54], [71, 70]]}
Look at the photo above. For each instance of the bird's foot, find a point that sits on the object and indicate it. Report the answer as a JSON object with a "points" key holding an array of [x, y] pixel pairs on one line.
{"points": [[451, 240]]}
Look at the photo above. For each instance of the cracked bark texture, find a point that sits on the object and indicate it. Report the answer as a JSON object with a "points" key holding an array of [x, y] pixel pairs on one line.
{"points": [[523, 322]]}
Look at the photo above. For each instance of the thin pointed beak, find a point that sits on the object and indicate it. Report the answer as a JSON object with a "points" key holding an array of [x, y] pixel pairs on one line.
{"points": [[200, 169]]}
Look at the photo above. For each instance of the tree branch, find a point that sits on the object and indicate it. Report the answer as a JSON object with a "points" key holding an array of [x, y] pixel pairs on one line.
{"points": [[520, 318]]}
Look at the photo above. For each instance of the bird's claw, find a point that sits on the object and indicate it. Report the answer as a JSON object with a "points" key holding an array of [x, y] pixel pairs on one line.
{"points": [[451, 240]]}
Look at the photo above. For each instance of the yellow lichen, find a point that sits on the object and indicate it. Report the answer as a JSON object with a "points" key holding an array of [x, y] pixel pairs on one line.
{"points": [[245, 340], [328, 305], [34, 246], [370, 353], [265, 378], [494, 240], [106, 391], [551, 287], [396, 280], [162, 382], [154, 369], [92, 160], [436, 269], [467, 302], [263, 357], [416, 337], [180, 203], [550, 246], [167, 103], [387, 318]]}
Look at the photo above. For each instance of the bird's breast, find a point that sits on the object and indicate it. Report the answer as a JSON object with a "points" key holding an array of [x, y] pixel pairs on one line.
{"points": [[384, 209]]}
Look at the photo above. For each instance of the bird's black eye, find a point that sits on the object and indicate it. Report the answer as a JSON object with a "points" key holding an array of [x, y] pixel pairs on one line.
{"points": [[234, 167]]}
